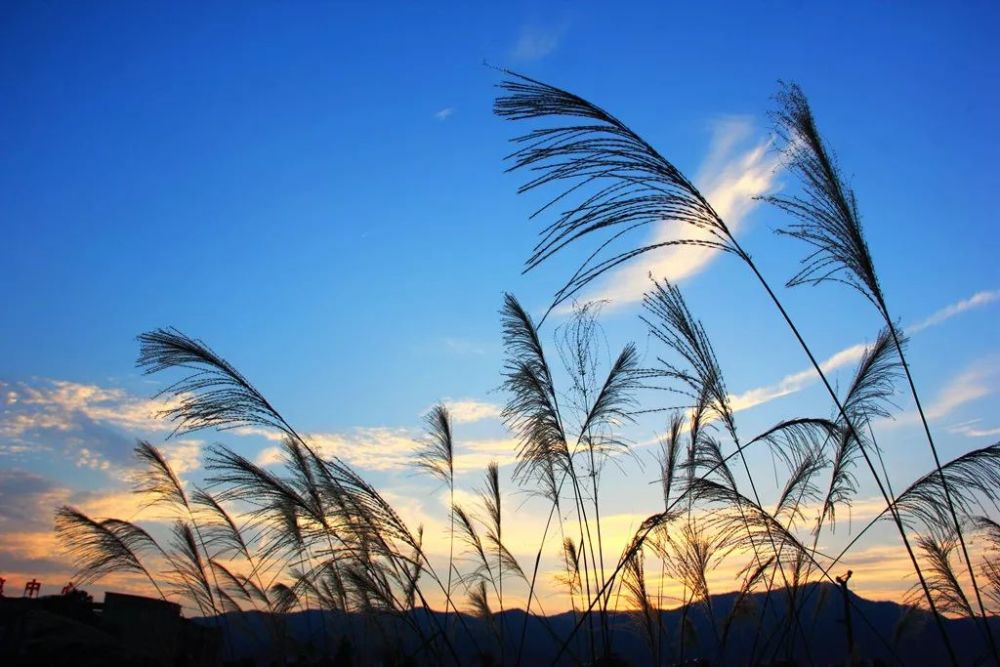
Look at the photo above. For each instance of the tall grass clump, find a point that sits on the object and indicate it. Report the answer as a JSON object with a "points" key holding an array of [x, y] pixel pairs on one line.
{"points": [[611, 182], [309, 533]]}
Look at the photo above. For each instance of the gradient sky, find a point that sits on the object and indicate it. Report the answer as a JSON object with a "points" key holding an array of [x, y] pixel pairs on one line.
{"points": [[317, 191]]}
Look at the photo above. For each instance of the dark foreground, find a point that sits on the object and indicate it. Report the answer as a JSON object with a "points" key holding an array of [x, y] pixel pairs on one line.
{"points": [[134, 631]]}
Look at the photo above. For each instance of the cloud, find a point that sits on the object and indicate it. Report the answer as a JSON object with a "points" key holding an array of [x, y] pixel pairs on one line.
{"points": [[29, 547], [849, 355], [54, 399], [470, 410], [385, 449], [477, 454], [966, 387], [975, 301], [795, 382], [534, 43], [971, 429], [444, 114], [730, 179], [27, 500], [93, 425]]}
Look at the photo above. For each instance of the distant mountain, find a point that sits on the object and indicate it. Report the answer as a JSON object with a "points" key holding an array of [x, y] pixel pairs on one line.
{"points": [[884, 633]]}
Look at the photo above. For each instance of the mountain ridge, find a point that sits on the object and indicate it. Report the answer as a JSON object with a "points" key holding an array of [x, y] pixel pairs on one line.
{"points": [[885, 632]]}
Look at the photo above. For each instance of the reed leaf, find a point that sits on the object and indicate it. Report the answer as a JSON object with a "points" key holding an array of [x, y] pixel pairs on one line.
{"points": [[189, 567], [669, 320], [867, 397]]}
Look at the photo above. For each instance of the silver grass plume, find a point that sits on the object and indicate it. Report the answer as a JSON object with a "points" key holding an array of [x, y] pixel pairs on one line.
{"points": [[532, 408], [437, 453], [99, 548], [974, 479], [867, 397], [941, 577], [827, 212], [613, 181], [213, 394]]}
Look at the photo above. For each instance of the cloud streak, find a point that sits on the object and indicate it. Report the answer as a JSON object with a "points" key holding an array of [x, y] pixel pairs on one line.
{"points": [[968, 386], [52, 404], [790, 384], [975, 301], [972, 429]]}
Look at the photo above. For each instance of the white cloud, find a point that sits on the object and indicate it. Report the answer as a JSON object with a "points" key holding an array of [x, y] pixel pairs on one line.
{"points": [[802, 379], [386, 449], [269, 456], [730, 180], [796, 381], [477, 454], [182, 455], [444, 114], [975, 301], [55, 404], [534, 43], [968, 386], [972, 429], [470, 410], [371, 448], [93, 426]]}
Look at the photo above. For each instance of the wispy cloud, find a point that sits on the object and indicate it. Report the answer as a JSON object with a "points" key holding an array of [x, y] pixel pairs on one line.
{"points": [[730, 177], [536, 42], [975, 382], [444, 114], [975, 301], [973, 429], [970, 385], [795, 382]]}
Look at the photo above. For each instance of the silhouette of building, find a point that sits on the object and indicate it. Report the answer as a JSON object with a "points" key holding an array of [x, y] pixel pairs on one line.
{"points": [[126, 630]]}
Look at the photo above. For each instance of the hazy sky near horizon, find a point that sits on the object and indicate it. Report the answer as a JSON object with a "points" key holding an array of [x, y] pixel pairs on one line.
{"points": [[317, 190]]}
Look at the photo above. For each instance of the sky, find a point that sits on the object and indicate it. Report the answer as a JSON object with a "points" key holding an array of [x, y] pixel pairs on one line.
{"points": [[317, 190]]}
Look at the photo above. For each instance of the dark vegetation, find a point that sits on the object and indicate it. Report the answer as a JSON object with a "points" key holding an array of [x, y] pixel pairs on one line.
{"points": [[256, 545]]}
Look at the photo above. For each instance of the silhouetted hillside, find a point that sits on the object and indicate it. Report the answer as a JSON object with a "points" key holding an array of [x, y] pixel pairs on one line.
{"points": [[884, 633]]}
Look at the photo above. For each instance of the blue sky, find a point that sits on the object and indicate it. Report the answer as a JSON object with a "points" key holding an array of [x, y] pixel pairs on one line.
{"points": [[317, 191]]}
